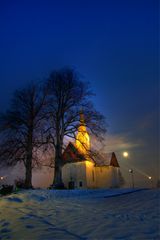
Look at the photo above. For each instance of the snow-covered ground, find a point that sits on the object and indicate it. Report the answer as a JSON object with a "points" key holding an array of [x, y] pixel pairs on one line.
{"points": [[80, 214]]}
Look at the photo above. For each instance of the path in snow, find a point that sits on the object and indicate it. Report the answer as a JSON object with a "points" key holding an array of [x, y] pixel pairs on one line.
{"points": [[88, 214]]}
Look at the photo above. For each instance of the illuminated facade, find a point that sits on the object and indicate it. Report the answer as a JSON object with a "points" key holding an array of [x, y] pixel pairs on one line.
{"points": [[79, 171]]}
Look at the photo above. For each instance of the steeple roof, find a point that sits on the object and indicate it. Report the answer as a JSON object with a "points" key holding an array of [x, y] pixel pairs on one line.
{"points": [[82, 118], [71, 154], [114, 161]]}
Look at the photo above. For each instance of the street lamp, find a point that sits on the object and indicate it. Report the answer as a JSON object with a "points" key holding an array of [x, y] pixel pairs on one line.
{"points": [[2, 178], [125, 154], [150, 178], [132, 177]]}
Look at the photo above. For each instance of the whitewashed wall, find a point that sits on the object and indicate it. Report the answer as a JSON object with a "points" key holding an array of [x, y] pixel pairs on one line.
{"points": [[90, 176], [90, 173], [75, 172], [103, 176]]}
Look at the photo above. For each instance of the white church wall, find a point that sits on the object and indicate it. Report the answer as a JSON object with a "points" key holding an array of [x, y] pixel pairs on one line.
{"points": [[86, 175], [90, 174], [115, 177], [103, 176], [75, 172]]}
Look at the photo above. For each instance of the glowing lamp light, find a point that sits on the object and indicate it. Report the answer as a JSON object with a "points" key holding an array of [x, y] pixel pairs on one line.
{"points": [[149, 177], [1, 178], [125, 154]]}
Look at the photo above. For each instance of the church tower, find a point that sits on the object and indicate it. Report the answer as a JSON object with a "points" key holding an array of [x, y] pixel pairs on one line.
{"points": [[82, 138]]}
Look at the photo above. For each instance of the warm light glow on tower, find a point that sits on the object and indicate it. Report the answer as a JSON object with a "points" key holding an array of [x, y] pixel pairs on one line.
{"points": [[82, 138]]}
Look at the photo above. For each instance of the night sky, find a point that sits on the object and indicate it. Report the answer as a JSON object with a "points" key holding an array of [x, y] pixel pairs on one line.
{"points": [[112, 44]]}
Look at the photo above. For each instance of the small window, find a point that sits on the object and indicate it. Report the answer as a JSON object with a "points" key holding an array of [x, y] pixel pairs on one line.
{"points": [[80, 184], [71, 185]]}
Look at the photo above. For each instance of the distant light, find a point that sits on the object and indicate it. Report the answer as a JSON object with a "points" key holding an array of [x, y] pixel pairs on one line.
{"points": [[130, 170], [1, 178], [149, 177], [125, 154]]}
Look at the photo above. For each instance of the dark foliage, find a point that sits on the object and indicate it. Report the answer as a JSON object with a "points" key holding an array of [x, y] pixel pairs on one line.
{"points": [[6, 189], [21, 129], [20, 183]]}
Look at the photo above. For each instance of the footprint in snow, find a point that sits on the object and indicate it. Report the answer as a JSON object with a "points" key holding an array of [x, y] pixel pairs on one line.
{"points": [[5, 230], [29, 226], [2, 220], [5, 224], [14, 199]]}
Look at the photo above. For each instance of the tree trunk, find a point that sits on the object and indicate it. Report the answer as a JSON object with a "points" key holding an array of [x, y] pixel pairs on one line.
{"points": [[28, 165], [28, 176], [57, 182]]}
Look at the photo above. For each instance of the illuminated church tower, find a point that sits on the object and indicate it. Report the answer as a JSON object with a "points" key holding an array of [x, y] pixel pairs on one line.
{"points": [[82, 138], [80, 171]]}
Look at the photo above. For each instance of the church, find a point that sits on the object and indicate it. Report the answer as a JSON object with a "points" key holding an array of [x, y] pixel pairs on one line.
{"points": [[81, 172]]}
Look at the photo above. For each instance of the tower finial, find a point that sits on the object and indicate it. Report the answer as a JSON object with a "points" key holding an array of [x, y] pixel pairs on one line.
{"points": [[82, 120]]}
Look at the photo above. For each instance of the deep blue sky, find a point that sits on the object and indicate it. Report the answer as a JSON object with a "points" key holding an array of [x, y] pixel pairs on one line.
{"points": [[112, 44]]}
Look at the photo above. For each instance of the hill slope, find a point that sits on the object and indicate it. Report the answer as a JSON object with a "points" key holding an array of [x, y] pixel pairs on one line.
{"points": [[45, 214]]}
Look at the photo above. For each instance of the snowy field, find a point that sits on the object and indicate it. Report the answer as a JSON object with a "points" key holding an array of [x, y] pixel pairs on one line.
{"points": [[80, 214]]}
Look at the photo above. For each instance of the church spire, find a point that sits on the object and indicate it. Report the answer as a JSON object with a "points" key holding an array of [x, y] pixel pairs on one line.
{"points": [[82, 121], [82, 138]]}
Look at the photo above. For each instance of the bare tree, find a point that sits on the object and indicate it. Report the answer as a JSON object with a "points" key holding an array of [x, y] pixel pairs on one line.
{"points": [[68, 96], [21, 129]]}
